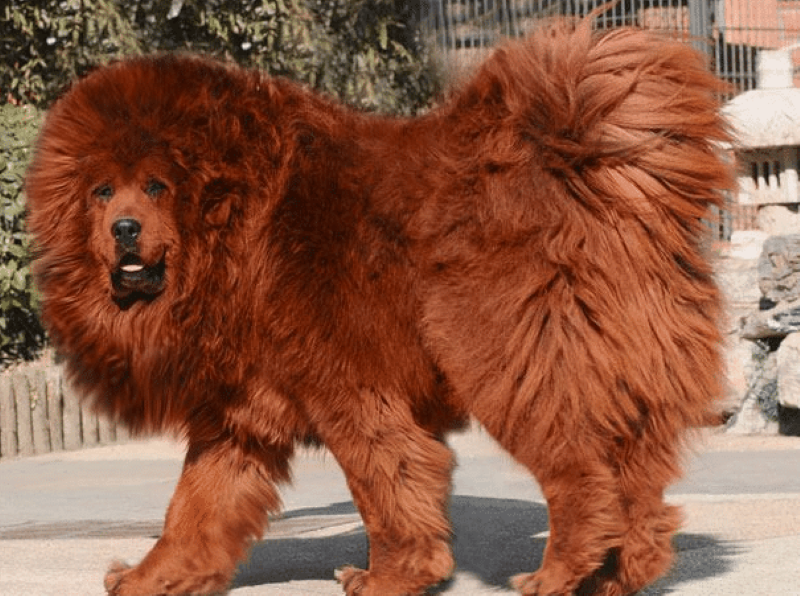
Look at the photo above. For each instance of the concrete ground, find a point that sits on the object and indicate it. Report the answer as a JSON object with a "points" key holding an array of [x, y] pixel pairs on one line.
{"points": [[65, 516]]}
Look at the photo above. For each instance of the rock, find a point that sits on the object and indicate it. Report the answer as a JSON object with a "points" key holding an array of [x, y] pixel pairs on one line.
{"points": [[736, 273], [771, 398], [779, 268], [758, 411], [738, 281], [788, 368], [740, 370], [775, 322], [749, 420]]}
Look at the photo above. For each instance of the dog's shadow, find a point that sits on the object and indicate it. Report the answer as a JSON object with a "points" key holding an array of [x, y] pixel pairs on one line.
{"points": [[494, 539]]}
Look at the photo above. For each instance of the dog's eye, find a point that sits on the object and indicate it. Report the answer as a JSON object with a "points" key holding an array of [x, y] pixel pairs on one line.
{"points": [[104, 192], [155, 188]]}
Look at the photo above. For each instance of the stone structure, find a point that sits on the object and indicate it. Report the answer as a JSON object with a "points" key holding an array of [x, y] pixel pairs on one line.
{"points": [[748, 375], [764, 351], [768, 143], [774, 330]]}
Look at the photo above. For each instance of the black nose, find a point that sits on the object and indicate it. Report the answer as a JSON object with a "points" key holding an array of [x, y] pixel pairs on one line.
{"points": [[126, 231]]}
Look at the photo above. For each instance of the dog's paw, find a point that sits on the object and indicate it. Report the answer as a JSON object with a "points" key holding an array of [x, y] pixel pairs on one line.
{"points": [[358, 582], [542, 583], [114, 576], [124, 580], [352, 580]]}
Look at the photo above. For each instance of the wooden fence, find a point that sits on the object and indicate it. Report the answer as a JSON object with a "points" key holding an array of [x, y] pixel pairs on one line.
{"points": [[40, 412]]}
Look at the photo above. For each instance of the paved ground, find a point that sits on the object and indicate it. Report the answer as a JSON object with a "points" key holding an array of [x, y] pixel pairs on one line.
{"points": [[64, 516]]}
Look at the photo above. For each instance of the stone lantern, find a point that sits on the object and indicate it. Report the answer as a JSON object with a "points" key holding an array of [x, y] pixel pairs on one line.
{"points": [[766, 122]]}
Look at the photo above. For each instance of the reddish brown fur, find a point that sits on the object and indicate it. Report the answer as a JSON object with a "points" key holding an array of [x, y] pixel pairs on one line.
{"points": [[528, 254]]}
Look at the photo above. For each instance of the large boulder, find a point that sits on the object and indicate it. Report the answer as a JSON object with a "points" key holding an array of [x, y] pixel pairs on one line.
{"points": [[779, 282]]}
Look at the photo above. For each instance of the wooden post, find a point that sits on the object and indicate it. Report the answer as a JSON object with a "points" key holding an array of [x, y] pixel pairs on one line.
{"points": [[55, 407], [105, 428], [122, 432], [41, 428], [88, 424], [22, 397], [8, 418], [72, 416]]}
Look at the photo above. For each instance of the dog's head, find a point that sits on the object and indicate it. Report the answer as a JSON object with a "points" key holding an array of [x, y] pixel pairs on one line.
{"points": [[128, 165]]}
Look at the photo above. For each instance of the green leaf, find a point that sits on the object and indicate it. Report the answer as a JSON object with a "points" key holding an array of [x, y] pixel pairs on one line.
{"points": [[383, 35], [19, 281]]}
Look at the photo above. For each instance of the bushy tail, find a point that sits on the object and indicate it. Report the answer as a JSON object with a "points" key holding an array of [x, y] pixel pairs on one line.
{"points": [[599, 154], [628, 120]]}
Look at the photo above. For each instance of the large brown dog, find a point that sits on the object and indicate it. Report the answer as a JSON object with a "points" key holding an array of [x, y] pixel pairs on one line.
{"points": [[234, 258]]}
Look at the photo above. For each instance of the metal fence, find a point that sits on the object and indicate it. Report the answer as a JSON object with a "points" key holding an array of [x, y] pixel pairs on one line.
{"points": [[732, 32]]}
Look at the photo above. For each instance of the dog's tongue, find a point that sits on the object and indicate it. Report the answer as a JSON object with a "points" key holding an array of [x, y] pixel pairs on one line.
{"points": [[133, 268]]}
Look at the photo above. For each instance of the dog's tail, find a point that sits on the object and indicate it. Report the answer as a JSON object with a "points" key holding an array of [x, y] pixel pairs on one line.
{"points": [[626, 122]]}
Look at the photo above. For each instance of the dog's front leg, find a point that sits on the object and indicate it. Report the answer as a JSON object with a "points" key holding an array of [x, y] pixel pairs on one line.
{"points": [[399, 475], [219, 508]]}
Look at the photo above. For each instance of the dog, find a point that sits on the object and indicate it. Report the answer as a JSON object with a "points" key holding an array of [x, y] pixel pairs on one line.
{"points": [[236, 259]]}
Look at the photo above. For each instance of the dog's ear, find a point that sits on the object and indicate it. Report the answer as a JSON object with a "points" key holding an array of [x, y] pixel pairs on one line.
{"points": [[218, 201], [218, 213]]}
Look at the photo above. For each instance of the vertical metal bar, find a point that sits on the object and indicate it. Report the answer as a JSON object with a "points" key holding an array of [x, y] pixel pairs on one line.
{"points": [[468, 25], [720, 55], [480, 17], [441, 27], [452, 24], [513, 29], [744, 43], [699, 24], [741, 63]]}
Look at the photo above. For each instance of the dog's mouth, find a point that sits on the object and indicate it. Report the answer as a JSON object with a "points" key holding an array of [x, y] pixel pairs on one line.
{"points": [[133, 278]]}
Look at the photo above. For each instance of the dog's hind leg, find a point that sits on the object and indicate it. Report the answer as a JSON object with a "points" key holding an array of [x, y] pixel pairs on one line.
{"points": [[219, 508], [646, 467], [399, 475], [610, 530], [586, 517]]}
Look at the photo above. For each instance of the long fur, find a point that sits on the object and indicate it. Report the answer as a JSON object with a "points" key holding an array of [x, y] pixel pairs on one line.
{"points": [[528, 254]]}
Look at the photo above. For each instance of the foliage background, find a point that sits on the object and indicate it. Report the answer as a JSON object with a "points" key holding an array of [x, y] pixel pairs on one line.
{"points": [[367, 53], [21, 334]]}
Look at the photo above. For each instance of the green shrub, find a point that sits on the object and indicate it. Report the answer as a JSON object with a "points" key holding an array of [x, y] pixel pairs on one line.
{"points": [[366, 52], [21, 334]]}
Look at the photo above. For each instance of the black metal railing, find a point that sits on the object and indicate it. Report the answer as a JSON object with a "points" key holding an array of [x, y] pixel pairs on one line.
{"points": [[733, 32]]}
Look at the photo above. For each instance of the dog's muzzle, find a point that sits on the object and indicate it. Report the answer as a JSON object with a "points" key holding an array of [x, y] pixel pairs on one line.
{"points": [[132, 275]]}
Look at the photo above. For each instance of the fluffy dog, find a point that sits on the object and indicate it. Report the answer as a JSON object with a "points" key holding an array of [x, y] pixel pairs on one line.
{"points": [[236, 259]]}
